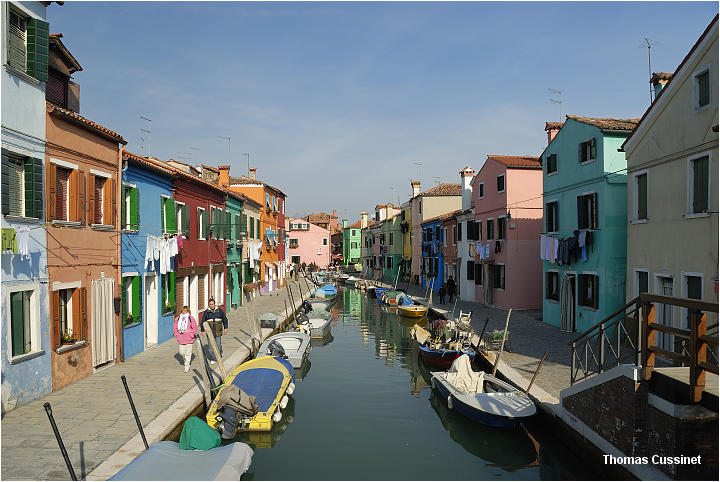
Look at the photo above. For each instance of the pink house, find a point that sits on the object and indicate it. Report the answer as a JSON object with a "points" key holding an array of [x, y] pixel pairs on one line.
{"points": [[308, 243], [508, 205]]}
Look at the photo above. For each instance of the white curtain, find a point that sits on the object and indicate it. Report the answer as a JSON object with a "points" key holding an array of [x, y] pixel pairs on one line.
{"points": [[566, 304], [103, 321]]}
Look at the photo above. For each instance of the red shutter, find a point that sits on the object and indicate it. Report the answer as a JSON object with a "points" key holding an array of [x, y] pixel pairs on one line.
{"points": [[92, 196], [52, 197], [77, 315], [113, 202], [83, 313], [55, 318]]}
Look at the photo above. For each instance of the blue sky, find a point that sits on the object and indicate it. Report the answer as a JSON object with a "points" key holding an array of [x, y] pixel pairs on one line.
{"points": [[336, 102]]}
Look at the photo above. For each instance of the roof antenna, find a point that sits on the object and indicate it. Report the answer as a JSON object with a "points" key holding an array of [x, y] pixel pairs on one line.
{"points": [[649, 44], [559, 102]]}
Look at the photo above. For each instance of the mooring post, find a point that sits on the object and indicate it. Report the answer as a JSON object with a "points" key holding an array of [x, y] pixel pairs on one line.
{"points": [[48, 410], [132, 405]]}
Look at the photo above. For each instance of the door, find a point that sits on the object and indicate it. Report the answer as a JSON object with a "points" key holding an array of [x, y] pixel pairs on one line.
{"points": [[151, 310], [103, 321], [193, 292], [567, 303], [664, 314]]}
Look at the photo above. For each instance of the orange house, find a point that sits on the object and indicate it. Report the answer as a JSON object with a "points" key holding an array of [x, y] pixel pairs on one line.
{"points": [[271, 224]]}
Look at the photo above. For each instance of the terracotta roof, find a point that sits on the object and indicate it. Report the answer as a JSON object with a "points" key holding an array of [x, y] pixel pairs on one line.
{"points": [[444, 189], [689, 54], [526, 162], [188, 176], [441, 217], [247, 180], [378, 206], [354, 225], [83, 122], [148, 163], [607, 124], [553, 125]]}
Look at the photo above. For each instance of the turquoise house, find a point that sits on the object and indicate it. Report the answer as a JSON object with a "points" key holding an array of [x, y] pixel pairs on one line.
{"points": [[584, 195], [234, 206]]}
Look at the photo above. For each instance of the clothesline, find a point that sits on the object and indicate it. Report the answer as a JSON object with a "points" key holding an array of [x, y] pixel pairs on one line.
{"points": [[567, 249]]}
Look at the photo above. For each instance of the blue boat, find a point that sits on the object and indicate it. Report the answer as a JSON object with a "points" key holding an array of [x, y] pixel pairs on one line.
{"points": [[328, 291]]}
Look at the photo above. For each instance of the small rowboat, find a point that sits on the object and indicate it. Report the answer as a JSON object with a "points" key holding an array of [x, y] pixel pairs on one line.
{"points": [[412, 311], [351, 281], [391, 297], [482, 397], [269, 379], [295, 347], [442, 357], [319, 327], [376, 291]]}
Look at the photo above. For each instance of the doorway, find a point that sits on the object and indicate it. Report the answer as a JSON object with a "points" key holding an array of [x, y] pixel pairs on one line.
{"points": [[151, 310], [193, 292], [103, 321], [664, 314], [567, 302]]}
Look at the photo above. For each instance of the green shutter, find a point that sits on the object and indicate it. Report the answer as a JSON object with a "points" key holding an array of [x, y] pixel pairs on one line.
{"points": [[18, 322], [29, 189], [17, 55], [134, 208], [123, 301], [123, 210], [136, 303], [252, 228], [205, 224], [169, 206], [163, 281], [185, 220], [257, 228], [211, 231], [37, 49], [171, 291]]}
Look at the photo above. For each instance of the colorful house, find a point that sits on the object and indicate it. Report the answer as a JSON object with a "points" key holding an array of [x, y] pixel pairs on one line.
{"points": [[82, 160], [351, 243], [234, 204], [465, 223], [584, 195], [406, 240], [449, 246], [308, 243], [672, 201], [27, 345], [147, 293], [507, 202], [390, 243], [433, 262]]}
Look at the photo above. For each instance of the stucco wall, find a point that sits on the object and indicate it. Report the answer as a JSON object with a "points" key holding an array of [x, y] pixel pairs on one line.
{"points": [[310, 243]]}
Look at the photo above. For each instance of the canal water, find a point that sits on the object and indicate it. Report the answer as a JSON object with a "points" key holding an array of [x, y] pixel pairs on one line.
{"points": [[363, 409]]}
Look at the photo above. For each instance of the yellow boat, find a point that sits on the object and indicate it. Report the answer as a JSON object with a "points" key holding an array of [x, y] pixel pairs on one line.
{"points": [[269, 379], [412, 311]]}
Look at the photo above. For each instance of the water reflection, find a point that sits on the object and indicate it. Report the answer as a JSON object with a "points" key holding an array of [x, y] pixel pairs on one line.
{"points": [[270, 438], [301, 373], [316, 342]]}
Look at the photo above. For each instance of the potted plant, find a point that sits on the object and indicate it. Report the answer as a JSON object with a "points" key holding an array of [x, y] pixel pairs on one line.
{"points": [[67, 337], [129, 319], [168, 307]]}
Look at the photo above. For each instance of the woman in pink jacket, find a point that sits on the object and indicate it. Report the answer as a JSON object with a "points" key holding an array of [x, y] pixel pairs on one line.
{"points": [[184, 329]]}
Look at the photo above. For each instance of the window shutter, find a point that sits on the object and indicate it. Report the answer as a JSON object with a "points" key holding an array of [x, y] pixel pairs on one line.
{"points": [[5, 182], [185, 220], [37, 49], [171, 227], [171, 288], [55, 318], [592, 149], [91, 198], [594, 211], [179, 298], [17, 56], [82, 292], [81, 193], [52, 185], [211, 231], [136, 299], [77, 313], [37, 188], [124, 223], [581, 212], [162, 215], [163, 299], [17, 327], [134, 208], [123, 301], [205, 224], [700, 182], [112, 204]]}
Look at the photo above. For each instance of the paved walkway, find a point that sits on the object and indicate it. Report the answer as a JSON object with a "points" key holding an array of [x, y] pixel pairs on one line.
{"points": [[94, 417], [529, 339]]}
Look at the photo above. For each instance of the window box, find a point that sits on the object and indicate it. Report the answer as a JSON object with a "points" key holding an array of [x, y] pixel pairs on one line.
{"points": [[102, 227], [67, 348]]}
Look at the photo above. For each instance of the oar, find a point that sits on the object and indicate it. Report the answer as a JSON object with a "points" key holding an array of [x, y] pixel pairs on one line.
{"points": [[536, 373], [502, 345]]}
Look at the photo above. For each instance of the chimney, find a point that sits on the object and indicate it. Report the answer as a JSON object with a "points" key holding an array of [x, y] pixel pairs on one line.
{"points": [[415, 187], [659, 80], [334, 213], [363, 220], [465, 178], [253, 170], [388, 211], [552, 129], [224, 176], [344, 223]]}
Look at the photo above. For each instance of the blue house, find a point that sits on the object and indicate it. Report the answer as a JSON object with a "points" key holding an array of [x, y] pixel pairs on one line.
{"points": [[148, 297], [585, 202], [432, 266], [26, 348]]}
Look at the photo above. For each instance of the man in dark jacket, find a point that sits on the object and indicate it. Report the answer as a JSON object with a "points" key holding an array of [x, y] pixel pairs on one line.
{"points": [[450, 287], [218, 324]]}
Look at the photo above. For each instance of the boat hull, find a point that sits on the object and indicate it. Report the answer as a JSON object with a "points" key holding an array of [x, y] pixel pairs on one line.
{"points": [[319, 327], [296, 346], [412, 311], [441, 358]]}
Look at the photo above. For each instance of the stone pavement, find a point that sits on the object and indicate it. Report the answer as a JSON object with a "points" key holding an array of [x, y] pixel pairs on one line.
{"points": [[94, 417], [529, 339]]}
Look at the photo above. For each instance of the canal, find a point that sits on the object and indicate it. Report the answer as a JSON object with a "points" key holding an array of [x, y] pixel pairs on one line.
{"points": [[363, 409]]}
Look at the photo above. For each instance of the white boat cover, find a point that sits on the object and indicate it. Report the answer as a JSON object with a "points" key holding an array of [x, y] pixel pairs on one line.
{"points": [[419, 333], [167, 461], [462, 376]]}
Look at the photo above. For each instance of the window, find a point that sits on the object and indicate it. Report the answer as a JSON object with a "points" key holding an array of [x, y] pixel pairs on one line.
{"points": [[498, 273], [22, 185], [203, 223], [470, 274], [587, 211], [642, 282], [296, 259], [267, 200], [490, 231], [551, 163], [588, 290], [353, 232], [202, 283], [481, 190], [501, 227], [69, 315], [389, 263], [218, 288], [182, 219], [586, 151], [478, 274], [551, 217], [325, 241], [27, 45], [251, 221], [501, 183], [444, 236], [701, 89], [257, 228], [391, 239], [454, 235], [130, 210], [167, 211], [101, 199], [21, 326], [130, 300], [640, 195], [214, 223], [459, 232], [66, 185], [167, 291], [353, 245], [552, 291], [699, 184]]}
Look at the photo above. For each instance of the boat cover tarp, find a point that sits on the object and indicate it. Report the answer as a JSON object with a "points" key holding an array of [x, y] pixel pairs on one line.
{"points": [[238, 400], [420, 334], [405, 301], [328, 289], [463, 377], [198, 435], [167, 461], [263, 383]]}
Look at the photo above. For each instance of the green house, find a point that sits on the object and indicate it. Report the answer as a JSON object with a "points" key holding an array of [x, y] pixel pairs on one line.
{"points": [[351, 243]]}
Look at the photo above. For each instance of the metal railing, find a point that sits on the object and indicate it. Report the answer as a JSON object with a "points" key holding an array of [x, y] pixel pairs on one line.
{"points": [[629, 336]]}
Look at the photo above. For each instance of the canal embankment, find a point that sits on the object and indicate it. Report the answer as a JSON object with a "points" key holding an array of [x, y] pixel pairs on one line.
{"points": [[94, 417]]}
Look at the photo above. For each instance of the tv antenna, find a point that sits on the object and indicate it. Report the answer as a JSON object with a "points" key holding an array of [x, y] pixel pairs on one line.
{"points": [[148, 131], [559, 101], [419, 164], [649, 44]]}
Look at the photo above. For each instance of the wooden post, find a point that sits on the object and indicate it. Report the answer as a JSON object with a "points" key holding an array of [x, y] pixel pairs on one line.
{"points": [[213, 345], [287, 314], [698, 354], [502, 345], [648, 340], [536, 373]]}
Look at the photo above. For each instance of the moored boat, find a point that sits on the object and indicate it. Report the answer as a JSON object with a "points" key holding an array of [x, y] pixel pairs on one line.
{"points": [[351, 281], [412, 311], [326, 292], [319, 327], [437, 352], [294, 346], [391, 297], [482, 397], [376, 291]]}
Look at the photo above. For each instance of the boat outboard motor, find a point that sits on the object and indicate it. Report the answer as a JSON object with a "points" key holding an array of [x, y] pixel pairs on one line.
{"points": [[233, 404], [276, 349], [302, 318], [306, 307], [228, 422]]}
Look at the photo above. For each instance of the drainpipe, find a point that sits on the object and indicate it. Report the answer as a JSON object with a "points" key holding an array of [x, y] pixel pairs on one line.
{"points": [[118, 275]]}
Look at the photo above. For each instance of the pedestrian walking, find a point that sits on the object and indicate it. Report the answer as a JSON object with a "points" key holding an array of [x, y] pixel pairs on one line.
{"points": [[441, 293], [218, 322], [450, 288], [184, 328]]}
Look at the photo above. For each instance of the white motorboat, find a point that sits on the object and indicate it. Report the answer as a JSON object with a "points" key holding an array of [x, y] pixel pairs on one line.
{"points": [[319, 327], [295, 347]]}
